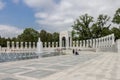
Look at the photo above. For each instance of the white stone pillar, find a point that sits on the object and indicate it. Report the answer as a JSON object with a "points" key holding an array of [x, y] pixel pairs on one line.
{"points": [[49, 44], [8, 44], [73, 43], [13, 45], [102, 45], [77, 44], [107, 41], [104, 41], [29, 44], [110, 40], [17, 45], [34, 45], [45, 44], [113, 39], [53, 45], [87, 43], [26, 45], [97, 44], [21, 45], [80, 43], [90, 42], [70, 42], [84, 43], [60, 42], [93, 43], [67, 42], [56, 44]]}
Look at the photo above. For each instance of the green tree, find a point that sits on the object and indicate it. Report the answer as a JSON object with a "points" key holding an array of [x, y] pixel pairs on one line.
{"points": [[116, 18], [29, 35], [82, 26], [101, 28], [43, 35], [3, 42], [73, 34], [49, 37], [55, 37], [116, 32]]}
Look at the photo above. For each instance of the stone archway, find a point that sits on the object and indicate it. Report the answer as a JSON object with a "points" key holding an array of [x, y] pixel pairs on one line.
{"points": [[65, 39]]}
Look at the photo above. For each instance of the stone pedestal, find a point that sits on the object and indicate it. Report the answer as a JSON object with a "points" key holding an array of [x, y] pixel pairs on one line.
{"points": [[77, 44], [87, 43], [17, 45], [52, 44], [29, 44], [33, 44], [25, 44], [45, 44], [56, 44], [93, 43], [73, 43], [97, 43], [80, 43], [113, 38], [21, 45], [49, 44], [13, 45], [8, 44], [84, 43]]}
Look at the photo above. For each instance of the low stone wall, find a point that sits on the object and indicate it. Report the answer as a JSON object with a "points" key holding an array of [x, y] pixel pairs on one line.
{"points": [[113, 48], [6, 57]]}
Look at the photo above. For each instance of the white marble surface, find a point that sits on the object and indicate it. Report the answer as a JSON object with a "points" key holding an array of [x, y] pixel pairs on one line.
{"points": [[86, 66]]}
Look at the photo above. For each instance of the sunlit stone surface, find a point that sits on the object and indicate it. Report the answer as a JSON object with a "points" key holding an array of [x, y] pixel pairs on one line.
{"points": [[86, 66]]}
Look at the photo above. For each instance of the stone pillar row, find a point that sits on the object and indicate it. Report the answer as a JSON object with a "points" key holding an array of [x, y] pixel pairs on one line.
{"points": [[50, 44], [29, 44], [102, 42], [18, 45]]}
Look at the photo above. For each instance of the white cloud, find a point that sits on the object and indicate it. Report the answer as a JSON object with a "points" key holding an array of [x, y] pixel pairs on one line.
{"points": [[16, 1], [60, 16], [40, 4], [2, 4], [41, 15], [9, 31]]}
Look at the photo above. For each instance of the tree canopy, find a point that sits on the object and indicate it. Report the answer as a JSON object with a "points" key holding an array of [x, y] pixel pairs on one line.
{"points": [[86, 27], [82, 26], [116, 18]]}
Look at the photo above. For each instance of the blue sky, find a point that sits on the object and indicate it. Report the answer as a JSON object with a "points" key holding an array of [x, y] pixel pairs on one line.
{"points": [[51, 15], [17, 14]]}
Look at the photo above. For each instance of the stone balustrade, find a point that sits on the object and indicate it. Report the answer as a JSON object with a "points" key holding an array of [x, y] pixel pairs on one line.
{"points": [[102, 43]]}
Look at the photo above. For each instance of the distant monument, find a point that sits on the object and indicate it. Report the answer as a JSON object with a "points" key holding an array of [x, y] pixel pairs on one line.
{"points": [[39, 47]]}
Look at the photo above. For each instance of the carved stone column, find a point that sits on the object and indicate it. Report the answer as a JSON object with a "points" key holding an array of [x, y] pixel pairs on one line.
{"points": [[13, 45], [8, 44], [29, 44]]}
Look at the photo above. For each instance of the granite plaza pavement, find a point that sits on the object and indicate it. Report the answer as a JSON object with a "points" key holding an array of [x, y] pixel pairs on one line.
{"points": [[86, 66]]}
